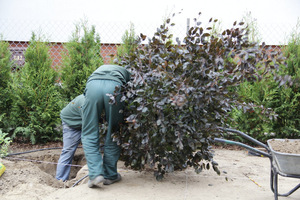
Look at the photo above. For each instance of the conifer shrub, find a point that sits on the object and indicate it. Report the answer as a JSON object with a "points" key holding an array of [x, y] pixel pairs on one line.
{"points": [[5, 81], [284, 101], [128, 45], [80, 60], [181, 94], [37, 101]]}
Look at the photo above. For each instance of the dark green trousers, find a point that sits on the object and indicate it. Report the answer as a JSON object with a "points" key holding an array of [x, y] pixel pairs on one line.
{"points": [[96, 101]]}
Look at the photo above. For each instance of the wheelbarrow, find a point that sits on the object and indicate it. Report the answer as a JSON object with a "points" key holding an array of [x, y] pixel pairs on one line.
{"points": [[283, 164]]}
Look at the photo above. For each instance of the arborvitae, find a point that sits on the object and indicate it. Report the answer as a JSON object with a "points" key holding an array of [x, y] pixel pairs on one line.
{"points": [[5, 79], [81, 59], [288, 102], [37, 102], [128, 45], [283, 100]]}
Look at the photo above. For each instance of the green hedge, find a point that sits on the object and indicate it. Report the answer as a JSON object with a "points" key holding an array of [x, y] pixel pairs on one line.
{"points": [[5, 81], [36, 100], [80, 60], [282, 98]]}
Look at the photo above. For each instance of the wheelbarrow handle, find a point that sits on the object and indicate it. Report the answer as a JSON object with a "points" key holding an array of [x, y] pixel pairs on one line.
{"points": [[246, 137], [242, 145]]}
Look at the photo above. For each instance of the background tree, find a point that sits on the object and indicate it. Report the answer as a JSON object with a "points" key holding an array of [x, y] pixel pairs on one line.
{"points": [[284, 101], [5, 80], [80, 60], [128, 45], [5, 96], [252, 27], [36, 101]]}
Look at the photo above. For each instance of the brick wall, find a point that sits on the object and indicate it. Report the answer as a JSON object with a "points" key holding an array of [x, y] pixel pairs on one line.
{"points": [[18, 50], [108, 51]]}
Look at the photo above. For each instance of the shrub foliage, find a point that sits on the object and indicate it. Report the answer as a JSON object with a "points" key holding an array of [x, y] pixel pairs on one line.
{"points": [[4, 143], [37, 101], [284, 101], [5, 80], [80, 60], [181, 94], [128, 45]]}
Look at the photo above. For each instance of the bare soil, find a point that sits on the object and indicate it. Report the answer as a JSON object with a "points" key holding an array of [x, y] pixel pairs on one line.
{"points": [[30, 176], [285, 145]]}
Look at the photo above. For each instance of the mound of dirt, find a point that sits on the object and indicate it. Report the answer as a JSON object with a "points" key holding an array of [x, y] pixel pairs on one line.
{"points": [[36, 168], [19, 173], [285, 145]]}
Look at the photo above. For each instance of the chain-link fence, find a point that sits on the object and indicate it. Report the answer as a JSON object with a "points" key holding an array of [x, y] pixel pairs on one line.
{"points": [[18, 33]]}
